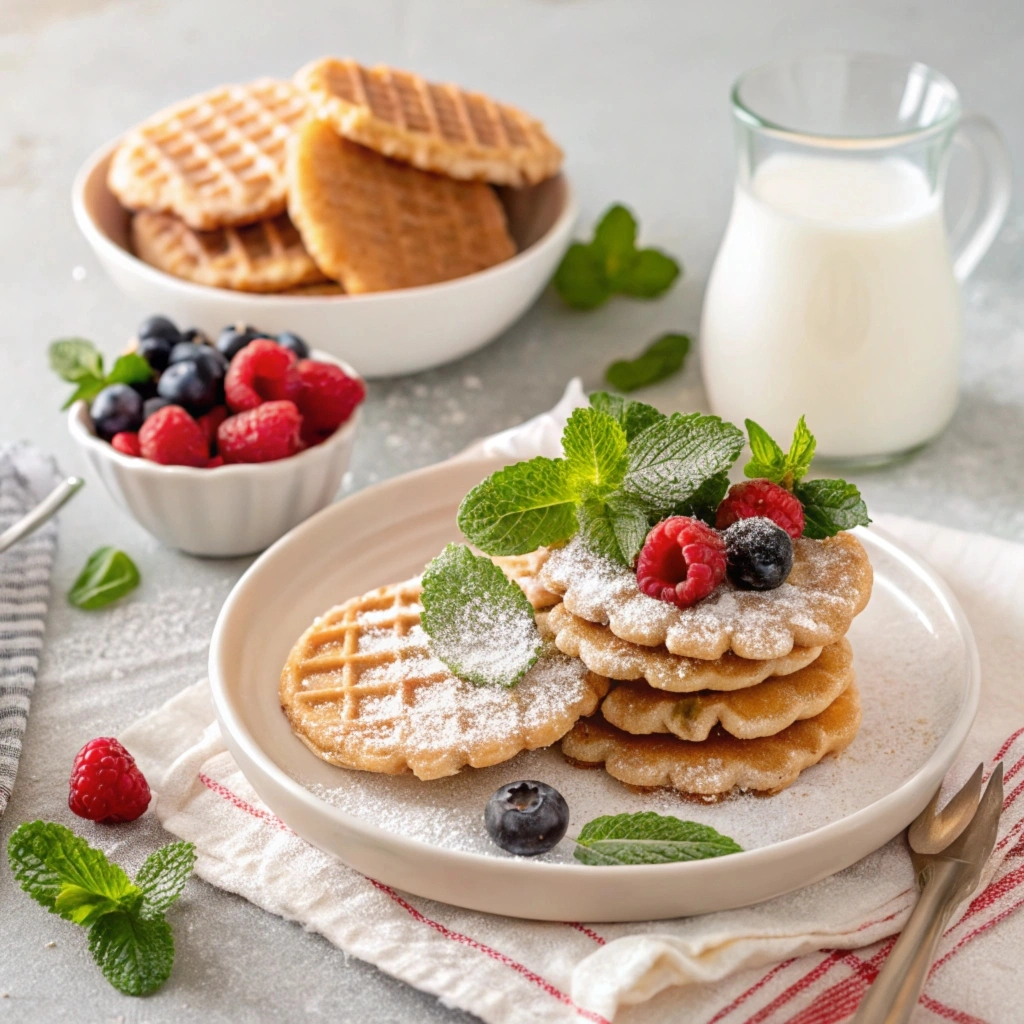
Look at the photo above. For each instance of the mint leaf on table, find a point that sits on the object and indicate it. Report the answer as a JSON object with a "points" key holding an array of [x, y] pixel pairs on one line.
{"points": [[830, 506], [633, 416], [662, 358], [480, 623], [648, 838], [108, 575], [128, 936], [614, 525], [591, 272], [595, 450]]}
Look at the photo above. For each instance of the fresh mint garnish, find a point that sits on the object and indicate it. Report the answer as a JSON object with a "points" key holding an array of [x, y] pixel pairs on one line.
{"points": [[591, 272], [595, 449], [634, 417], [614, 525], [769, 462], [479, 622], [648, 838], [704, 504], [128, 936], [659, 360], [108, 575], [79, 362]]}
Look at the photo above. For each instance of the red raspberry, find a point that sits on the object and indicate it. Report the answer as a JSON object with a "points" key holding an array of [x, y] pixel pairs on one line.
{"points": [[127, 443], [209, 422], [260, 372], [106, 784], [215, 462], [264, 434], [682, 561], [170, 436], [761, 498], [328, 397]]}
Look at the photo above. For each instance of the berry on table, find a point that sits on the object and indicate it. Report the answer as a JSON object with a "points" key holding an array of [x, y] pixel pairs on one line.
{"points": [[759, 554], [526, 818], [292, 342], [158, 327], [264, 434], [191, 384], [186, 351], [106, 784], [233, 338], [260, 369], [327, 399], [761, 498], [682, 561], [118, 407], [127, 443], [171, 437]]}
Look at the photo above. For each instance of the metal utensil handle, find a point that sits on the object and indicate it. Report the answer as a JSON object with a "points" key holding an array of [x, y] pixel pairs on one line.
{"points": [[893, 997], [43, 511]]}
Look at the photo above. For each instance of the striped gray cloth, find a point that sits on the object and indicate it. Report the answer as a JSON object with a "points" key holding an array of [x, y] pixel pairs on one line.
{"points": [[26, 476]]}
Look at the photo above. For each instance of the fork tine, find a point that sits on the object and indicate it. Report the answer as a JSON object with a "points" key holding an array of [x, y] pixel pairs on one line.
{"points": [[932, 831]]}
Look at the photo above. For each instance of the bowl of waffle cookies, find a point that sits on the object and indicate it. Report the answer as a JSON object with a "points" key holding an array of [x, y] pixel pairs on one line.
{"points": [[398, 222], [763, 691]]}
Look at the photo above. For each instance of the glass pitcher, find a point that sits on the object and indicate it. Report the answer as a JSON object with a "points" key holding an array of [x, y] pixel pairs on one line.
{"points": [[835, 293]]}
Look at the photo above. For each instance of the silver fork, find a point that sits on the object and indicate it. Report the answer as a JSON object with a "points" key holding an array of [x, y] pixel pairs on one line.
{"points": [[949, 850]]}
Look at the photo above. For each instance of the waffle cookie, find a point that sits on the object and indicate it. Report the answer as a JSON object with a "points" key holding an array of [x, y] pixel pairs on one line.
{"points": [[439, 128], [375, 225], [721, 764], [829, 584], [267, 256], [602, 651], [215, 160], [761, 710], [362, 689], [523, 569]]}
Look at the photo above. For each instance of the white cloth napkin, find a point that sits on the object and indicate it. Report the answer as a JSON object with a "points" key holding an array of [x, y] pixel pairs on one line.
{"points": [[825, 943]]}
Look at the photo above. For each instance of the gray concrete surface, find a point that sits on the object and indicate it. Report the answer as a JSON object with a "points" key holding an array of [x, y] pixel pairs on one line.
{"points": [[636, 93]]}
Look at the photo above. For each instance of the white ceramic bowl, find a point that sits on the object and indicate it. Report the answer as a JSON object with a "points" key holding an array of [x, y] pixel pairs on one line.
{"points": [[231, 510], [385, 334]]}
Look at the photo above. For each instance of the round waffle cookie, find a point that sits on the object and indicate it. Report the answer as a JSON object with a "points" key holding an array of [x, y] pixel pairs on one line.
{"points": [[761, 710], [523, 569], [376, 225], [267, 256], [439, 128], [829, 584], [722, 764], [362, 689], [602, 651], [215, 160]]}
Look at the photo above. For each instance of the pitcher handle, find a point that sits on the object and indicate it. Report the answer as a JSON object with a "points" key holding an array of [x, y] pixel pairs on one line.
{"points": [[989, 197]]}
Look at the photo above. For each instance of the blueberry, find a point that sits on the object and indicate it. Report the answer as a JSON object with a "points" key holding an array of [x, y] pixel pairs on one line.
{"points": [[186, 351], [158, 327], [152, 405], [526, 818], [195, 335], [145, 388], [293, 342], [156, 350], [117, 407], [192, 385], [759, 554], [234, 338]]}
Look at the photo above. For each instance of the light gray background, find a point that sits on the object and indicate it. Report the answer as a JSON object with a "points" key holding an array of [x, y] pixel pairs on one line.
{"points": [[636, 93]]}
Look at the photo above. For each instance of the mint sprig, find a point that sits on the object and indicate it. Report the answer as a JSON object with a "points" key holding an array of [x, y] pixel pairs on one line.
{"points": [[479, 622], [79, 362], [633, 416], [591, 272], [662, 358], [769, 462], [648, 838], [128, 936], [107, 576]]}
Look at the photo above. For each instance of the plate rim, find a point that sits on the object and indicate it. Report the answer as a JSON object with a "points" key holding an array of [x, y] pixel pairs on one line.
{"points": [[944, 751]]}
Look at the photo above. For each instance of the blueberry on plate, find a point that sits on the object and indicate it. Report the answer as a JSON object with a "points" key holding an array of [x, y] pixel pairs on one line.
{"points": [[152, 405], [186, 351], [526, 818], [759, 554], [156, 350], [294, 343], [233, 338], [117, 407], [158, 327], [191, 384]]}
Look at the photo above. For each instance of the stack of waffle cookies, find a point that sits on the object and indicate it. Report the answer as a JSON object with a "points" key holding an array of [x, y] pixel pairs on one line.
{"points": [[738, 693], [345, 179]]}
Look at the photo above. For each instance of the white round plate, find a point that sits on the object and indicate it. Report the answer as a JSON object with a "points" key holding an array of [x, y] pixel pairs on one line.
{"points": [[383, 334], [917, 670]]}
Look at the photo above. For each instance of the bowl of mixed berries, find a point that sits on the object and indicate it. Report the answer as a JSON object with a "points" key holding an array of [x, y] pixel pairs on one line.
{"points": [[214, 447]]}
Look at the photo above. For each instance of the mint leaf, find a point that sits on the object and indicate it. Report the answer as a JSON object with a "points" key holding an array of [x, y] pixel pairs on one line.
{"points": [[521, 507], [648, 838], [86, 391], [659, 360], [633, 416], [615, 526], [75, 360], [108, 575], [831, 506], [134, 953], [130, 368], [674, 458], [580, 278], [704, 504], [648, 276], [479, 622], [768, 460], [615, 239], [595, 449], [801, 451], [163, 876]]}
